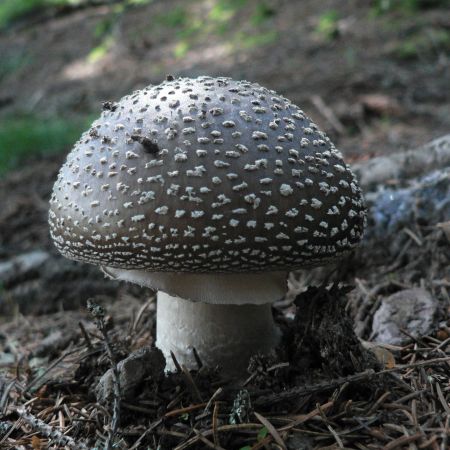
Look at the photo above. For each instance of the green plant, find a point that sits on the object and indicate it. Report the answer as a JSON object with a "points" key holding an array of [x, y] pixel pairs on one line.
{"points": [[100, 50], [181, 48], [247, 40], [11, 10], [175, 18], [405, 6], [262, 433], [222, 13], [263, 11], [185, 27], [11, 62], [223, 10], [327, 25], [104, 27], [429, 41], [191, 29], [384, 6], [139, 2], [23, 137], [103, 32]]}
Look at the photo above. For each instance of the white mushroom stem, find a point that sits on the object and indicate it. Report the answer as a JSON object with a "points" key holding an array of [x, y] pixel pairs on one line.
{"points": [[225, 335], [226, 317]]}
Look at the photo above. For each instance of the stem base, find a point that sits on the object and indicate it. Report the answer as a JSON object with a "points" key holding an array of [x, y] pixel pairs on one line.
{"points": [[224, 335]]}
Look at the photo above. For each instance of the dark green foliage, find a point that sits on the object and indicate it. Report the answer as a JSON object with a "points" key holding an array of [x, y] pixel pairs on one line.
{"points": [[406, 6], [12, 61], [327, 26], [29, 136], [12, 10], [426, 43], [263, 11]]}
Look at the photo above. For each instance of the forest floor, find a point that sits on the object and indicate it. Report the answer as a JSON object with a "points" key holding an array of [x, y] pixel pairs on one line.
{"points": [[377, 82], [381, 73]]}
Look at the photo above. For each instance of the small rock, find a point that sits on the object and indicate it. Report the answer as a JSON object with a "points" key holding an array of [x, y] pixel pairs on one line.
{"points": [[21, 264], [143, 363], [39, 283], [298, 441], [426, 201], [413, 310], [7, 359]]}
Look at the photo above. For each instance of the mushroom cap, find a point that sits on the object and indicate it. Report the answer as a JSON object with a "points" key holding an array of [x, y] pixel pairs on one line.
{"points": [[205, 175]]}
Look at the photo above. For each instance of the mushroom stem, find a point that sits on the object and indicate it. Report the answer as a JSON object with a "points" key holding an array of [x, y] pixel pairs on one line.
{"points": [[224, 335]]}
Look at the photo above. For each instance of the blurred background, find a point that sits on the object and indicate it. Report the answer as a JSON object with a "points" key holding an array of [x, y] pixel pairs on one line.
{"points": [[374, 74]]}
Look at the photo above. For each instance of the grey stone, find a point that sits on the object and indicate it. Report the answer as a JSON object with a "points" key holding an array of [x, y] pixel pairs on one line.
{"points": [[404, 165], [427, 201], [143, 363], [413, 310], [21, 265], [50, 285], [299, 442]]}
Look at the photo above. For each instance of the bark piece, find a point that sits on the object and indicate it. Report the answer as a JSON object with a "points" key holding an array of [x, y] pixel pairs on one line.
{"points": [[324, 336]]}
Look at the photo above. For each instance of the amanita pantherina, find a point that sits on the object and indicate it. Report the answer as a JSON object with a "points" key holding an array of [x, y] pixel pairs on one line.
{"points": [[208, 190]]}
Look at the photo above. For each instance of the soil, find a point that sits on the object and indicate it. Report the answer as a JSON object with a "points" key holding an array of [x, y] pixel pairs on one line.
{"points": [[53, 352], [386, 100]]}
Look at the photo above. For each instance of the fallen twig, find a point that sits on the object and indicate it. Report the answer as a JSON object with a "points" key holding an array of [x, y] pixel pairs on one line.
{"points": [[50, 432], [98, 313], [328, 114], [333, 384]]}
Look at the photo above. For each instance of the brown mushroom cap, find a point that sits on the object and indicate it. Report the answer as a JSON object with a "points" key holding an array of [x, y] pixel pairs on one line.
{"points": [[205, 175]]}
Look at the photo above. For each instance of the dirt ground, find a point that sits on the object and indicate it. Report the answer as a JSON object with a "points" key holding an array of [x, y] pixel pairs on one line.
{"points": [[372, 97], [384, 77]]}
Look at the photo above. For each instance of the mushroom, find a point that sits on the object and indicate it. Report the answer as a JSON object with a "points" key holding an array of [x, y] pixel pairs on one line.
{"points": [[210, 191]]}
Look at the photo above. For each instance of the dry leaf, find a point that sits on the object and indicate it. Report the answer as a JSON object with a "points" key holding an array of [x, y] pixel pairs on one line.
{"points": [[445, 227], [383, 355], [36, 443], [442, 335], [380, 104]]}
